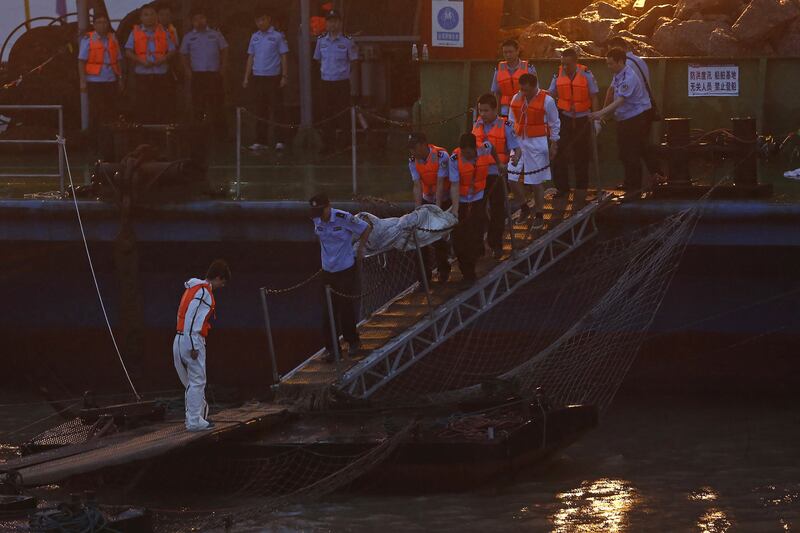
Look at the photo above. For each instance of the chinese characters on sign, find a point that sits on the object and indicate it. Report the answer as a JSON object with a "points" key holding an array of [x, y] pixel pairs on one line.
{"points": [[713, 80], [448, 23]]}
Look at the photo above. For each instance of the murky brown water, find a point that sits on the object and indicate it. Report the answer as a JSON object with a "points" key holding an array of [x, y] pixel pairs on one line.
{"points": [[694, 464]]}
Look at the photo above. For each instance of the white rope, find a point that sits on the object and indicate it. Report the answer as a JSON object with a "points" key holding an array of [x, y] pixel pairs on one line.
{"points": [[62, 141]]}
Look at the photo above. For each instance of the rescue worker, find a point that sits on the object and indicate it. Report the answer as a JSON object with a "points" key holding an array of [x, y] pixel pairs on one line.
{"points": [[505, 83], [336, 231], [630, 108], [535, 118], [490, 127], [195, 313], [150, 49], [165, 19], [469, 170], [335, 51], [268, 67], [100, 73], [205, 59], [429, 167], [575, 91]]}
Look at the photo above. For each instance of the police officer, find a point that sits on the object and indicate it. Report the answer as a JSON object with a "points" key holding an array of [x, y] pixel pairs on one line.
{"points": [[505, 82], [335, 51], [630, 108], [336, 231], [429, 167], [490, 127], [150, 49], [100, 72], [469, 169], [205, 58], [269, 69], [575, 91]]}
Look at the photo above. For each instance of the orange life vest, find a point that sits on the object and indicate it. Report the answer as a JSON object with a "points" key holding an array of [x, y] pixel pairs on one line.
{"points": [[472, 176], [507, 82], [573, 93], [496, 136], [429, 171], [188, 296], [140, 38], [97, 51], [529, 117]]}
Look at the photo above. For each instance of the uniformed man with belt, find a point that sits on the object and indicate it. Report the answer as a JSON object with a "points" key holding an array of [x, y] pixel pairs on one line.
{"points": [[505, 83], [335, 51], [205, 58], [469, 169], [269, 69], [336, 231], [100, 72], [150, 49], [575, 91], [630, 108], [429, 167], [490, 127]]}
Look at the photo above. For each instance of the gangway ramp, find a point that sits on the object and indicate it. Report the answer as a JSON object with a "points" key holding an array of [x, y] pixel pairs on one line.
{"points": [[408, 327]]}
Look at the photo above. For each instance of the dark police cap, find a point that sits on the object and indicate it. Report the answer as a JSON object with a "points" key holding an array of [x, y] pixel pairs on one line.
{"points": [[333, 14], [416, 138], [318, 202]]}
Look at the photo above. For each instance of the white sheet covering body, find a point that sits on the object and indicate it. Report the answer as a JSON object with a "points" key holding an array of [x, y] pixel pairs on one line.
{"points": [[395, 232]]}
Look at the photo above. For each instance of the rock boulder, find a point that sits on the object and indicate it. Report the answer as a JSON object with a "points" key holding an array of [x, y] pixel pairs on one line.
{"points": [[788, 44], [544, 46], [700, 9], [722, 43], [684, 38], [646, 24], [763, 19]]}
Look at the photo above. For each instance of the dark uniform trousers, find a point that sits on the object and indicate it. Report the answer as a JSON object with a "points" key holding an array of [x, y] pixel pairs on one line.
{"points": [[208, 99], [496, 197], [268, 97], [103, 97], [335, 98], [153, 103], [344, 282], [632, 141], [468, 235], [437, 253], [574, 145]]}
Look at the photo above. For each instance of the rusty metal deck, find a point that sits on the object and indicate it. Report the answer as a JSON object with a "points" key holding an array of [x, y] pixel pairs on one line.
{"points": [[142, 443]]}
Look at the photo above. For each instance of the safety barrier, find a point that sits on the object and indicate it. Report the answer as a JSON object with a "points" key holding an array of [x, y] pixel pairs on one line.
{"points": [[60, 110]]}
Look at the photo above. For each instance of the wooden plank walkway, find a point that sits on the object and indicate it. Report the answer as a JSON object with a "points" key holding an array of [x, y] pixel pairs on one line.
{"points": [[408, 310], [138, 444]]}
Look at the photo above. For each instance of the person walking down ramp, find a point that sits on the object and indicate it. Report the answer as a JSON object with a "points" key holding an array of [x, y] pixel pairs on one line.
{"points": [[195, 312]]}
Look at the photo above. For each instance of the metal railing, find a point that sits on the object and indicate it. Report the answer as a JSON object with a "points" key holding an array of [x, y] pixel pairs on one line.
{"points": [[55, 141]]}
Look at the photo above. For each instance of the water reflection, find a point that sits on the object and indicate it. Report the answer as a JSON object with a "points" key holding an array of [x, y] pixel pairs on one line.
{"points": [[703, 494], [714, 521], [595, 506]]}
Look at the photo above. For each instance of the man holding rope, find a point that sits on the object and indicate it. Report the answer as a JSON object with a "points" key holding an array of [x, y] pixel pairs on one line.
{"points": [[535, 118]]}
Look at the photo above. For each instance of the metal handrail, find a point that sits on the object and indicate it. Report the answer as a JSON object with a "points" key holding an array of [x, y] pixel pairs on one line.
{"points": [[60, 110]]}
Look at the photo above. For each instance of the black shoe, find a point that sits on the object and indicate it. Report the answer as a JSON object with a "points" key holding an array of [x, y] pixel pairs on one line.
{"points": [[538, 221], [353, 349], [524, 211], [444, 276]]}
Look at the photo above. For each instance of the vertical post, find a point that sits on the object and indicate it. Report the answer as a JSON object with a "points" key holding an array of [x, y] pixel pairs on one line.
{"points": [[276, 379], [595, 157], [422, 273], [83, 26], [507, 205], [238, 153], [353, 149], [304, 64], [61, 149], [334, 336]]}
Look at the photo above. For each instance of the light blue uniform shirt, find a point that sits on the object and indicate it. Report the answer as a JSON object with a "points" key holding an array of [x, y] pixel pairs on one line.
{"points": [[455, 175], [163, 68], [496, 89], [203, 49], [267, 47], [629, 85], [642, 65], [443, 172], [511, 139], [335, 55], [336, 239], [593, 89], [107, 73]]}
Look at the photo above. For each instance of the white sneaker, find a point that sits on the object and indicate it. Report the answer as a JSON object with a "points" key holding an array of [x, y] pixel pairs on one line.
{"points": [[257, 146], [280, 146], [794, 174]]}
